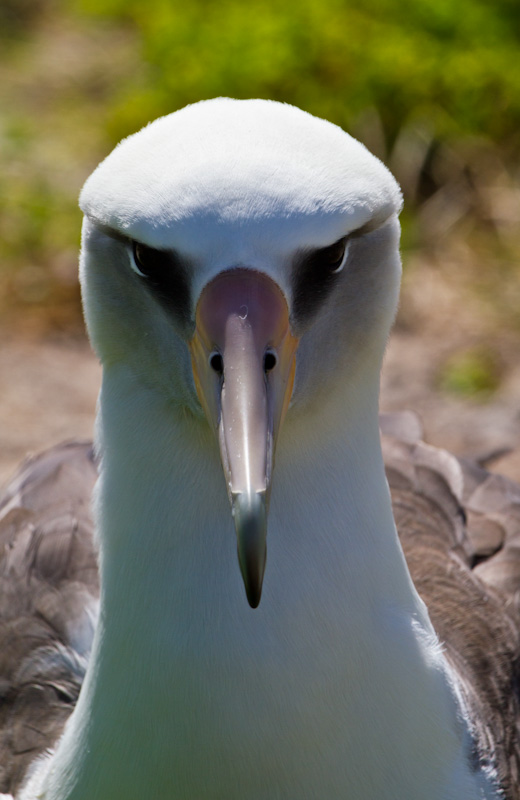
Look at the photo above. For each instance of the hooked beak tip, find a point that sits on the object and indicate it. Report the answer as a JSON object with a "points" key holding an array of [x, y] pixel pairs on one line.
{"points": [[250, 517]]}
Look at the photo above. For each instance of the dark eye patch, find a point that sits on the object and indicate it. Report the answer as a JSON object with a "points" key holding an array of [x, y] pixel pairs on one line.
{"points": [[165, 275], [315, 274], [151, 263]]}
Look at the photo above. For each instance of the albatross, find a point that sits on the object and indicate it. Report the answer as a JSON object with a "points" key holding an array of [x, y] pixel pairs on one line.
{"points": [[256, 631]]}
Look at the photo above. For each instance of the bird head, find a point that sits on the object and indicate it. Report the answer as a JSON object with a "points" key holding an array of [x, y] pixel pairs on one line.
{"points": [[242, 258]]}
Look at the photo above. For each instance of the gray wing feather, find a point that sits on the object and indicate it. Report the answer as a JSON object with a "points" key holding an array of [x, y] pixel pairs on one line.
{"points": [[460, 530], [48, 602]]}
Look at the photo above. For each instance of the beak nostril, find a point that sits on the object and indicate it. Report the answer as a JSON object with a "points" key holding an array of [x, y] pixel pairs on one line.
{"points": [[216, 363], [269, 361]]}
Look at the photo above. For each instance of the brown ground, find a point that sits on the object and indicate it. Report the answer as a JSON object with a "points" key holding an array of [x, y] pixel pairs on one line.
{"points": [[49, 386], [48, 394]]}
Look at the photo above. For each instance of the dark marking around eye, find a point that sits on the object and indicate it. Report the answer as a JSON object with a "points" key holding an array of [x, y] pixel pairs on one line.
{"points": [[315, 275], [164, 274]]}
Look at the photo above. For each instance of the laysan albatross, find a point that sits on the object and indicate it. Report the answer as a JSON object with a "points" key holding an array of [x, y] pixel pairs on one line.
{"points": [[240, 274]]}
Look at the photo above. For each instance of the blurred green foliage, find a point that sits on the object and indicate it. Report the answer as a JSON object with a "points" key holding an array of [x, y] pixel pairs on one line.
{"points": [[471, 374], [452, 64], [431, 86]]}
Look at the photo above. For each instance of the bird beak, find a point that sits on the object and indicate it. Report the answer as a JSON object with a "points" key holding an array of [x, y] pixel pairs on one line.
{"points": [[243, 358]]}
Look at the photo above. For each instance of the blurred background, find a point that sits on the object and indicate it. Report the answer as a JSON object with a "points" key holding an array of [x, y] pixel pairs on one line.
{"points": [[432, 87]]}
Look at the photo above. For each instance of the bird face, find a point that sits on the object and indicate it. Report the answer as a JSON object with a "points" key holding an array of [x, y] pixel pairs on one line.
{"points": [[241, 257]]}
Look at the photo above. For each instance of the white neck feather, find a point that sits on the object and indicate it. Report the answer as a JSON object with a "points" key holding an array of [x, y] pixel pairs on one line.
{"points": [[334, 687]]}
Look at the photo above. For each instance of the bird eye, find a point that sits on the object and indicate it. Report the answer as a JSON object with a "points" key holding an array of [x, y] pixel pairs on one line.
{"points": [[334, 255], [315, 275], [148, 262], [165, 276]]}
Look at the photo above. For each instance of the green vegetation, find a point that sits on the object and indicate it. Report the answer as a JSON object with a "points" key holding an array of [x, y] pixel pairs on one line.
{"points": [[448, 64], [429, 85], [471, 374]]}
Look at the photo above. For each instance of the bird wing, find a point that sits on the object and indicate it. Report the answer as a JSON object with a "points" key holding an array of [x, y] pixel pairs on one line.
{"points": [[459, 526], [49, 592]]}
